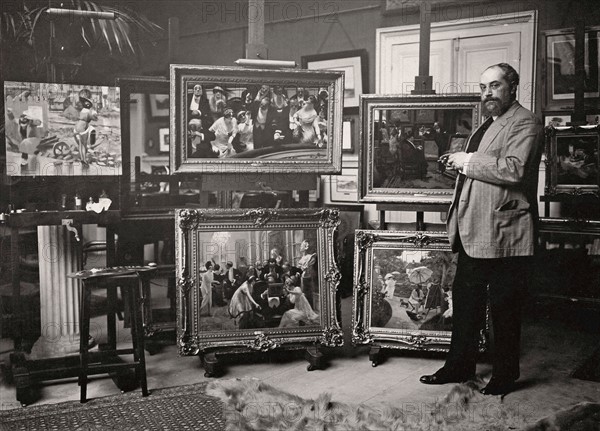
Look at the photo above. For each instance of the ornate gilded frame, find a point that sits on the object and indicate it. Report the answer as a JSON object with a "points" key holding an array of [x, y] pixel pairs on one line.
{"points": [[371, 247], [287, 158], [566, 172], [383, 179], [190, 223]]}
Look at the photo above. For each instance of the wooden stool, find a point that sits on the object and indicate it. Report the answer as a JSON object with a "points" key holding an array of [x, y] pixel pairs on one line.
{"points": [[128, 279]]}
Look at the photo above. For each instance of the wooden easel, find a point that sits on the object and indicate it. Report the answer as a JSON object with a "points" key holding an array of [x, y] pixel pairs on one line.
{"points": [[423, 85], [581, 205], [256, 49], [302, 183]]}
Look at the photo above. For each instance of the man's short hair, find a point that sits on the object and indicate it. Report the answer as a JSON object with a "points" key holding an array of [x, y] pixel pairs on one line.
{"points": [[510, 74]]}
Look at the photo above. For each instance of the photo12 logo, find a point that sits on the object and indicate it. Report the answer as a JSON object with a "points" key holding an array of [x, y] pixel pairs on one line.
{"points": [[269, 11]]}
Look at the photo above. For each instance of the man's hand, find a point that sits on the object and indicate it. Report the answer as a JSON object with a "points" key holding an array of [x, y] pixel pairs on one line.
{"points": [[457, 160]]}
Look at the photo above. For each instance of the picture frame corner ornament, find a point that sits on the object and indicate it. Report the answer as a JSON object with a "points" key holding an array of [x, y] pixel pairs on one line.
{"points": [[364, 239], [332, 337], [262, 342], [330, 217]]}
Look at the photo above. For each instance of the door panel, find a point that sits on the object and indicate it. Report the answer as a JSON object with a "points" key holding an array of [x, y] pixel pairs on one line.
{"points": [[477, 53], [404, 65], [460, 50]]}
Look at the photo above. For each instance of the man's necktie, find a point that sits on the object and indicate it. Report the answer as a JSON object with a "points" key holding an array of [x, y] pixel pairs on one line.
{"points": [[472, 147], [476, 139]]}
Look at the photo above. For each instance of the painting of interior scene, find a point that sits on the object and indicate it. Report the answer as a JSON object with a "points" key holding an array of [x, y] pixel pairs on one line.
{"points": [[256, 121], [412, 289], [577, 159], [258, 279], [409, 142], [62, 129]]}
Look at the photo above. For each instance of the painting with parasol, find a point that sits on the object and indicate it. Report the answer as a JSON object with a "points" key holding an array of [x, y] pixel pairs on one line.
{"points": [[403, 286], [416, 301], [415, 285]]}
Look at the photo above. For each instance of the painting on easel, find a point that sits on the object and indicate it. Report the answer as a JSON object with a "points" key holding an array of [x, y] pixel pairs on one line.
{"points": [[62, 129]]}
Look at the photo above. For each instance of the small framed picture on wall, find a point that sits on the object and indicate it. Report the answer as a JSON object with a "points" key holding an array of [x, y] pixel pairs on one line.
{"points": [[355, 66], [344, 187], [164, 140], [556, 120], [159, 105]]}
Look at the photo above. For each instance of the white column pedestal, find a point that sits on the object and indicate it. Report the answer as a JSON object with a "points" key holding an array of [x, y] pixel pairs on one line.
{"points": [[59, 295]]}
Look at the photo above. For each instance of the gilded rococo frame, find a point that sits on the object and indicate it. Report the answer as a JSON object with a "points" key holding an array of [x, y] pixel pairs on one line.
{"points": [[421, 258], [285, 154], [405, 169], [192, 224]]}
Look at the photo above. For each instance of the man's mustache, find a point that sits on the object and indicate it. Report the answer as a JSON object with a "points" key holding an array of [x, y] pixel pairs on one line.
{"points": [[491, 99]]}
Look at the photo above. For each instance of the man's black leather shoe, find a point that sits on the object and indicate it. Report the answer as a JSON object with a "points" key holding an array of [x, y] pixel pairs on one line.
{"points": [[498, 387], [441, 377]]}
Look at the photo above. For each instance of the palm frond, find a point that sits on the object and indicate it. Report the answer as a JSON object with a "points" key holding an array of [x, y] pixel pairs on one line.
{"points": [[117, 34], [34, 16], [17, 25]]}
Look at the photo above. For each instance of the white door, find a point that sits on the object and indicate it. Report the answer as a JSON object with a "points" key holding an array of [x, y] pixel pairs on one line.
{"points": [[460, 51], [477, 53], [402, 61]]}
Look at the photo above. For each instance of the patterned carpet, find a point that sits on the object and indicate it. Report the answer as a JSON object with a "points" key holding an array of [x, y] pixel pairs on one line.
{"points": [[184, 407]]}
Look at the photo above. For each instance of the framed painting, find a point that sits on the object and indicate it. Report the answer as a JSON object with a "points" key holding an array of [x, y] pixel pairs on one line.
{"points": [[403, 290], [49, 132], [560, 68], [164, 140], [355, 66], [282, 292], [556, 120], [572, 165], [344, 187], [399, 160], [159, 105], [236, 119], [144, 139]]}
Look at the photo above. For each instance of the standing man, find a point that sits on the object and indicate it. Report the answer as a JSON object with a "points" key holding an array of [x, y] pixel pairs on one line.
{"points": [[232, 280], [492, 225]]}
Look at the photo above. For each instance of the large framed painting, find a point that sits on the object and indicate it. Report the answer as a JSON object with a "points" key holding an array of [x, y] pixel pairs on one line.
{"points": [[355, 66], [256, 280], [560, 68], [243, 120], [403, 139], [62, 129], [572, 165], [403, 290]]}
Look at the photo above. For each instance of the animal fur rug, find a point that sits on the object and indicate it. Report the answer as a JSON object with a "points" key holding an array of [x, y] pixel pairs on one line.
{"points": [[253, 405]]}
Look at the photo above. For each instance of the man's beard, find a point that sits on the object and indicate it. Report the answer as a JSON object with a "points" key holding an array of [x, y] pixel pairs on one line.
{"points": [[496, 108]]}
